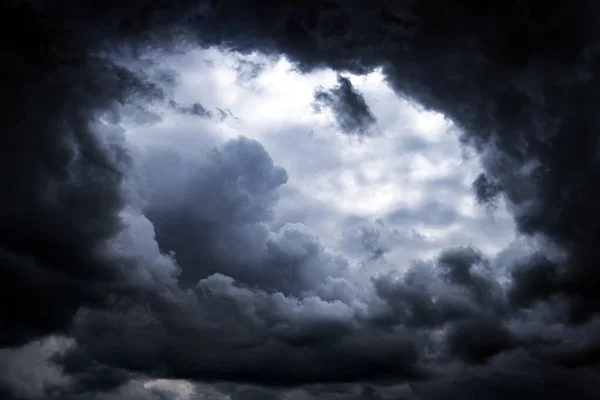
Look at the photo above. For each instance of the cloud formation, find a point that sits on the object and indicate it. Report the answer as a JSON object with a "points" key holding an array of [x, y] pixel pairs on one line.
{"points": [[348, 106], [84, 251]]}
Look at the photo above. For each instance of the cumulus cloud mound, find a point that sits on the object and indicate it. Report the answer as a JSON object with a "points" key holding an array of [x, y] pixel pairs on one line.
{"points": [[85, 252]]}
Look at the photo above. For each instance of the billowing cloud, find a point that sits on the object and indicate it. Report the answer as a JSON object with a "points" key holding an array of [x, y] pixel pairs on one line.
{"points": [[58, 162], [84, 246]]}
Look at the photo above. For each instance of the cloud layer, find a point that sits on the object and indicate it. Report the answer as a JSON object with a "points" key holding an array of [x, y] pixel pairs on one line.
{"points": [[163, 264]]}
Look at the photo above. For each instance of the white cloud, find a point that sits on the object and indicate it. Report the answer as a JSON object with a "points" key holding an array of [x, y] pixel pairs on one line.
{"points": [[334, 178], [182, 390]]}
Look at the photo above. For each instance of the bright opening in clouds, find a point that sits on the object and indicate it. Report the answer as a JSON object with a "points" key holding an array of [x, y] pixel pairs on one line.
{"points": [[410, 181]]}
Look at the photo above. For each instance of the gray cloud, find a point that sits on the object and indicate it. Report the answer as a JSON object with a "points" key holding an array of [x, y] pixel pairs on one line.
{"points": [[368, 240], [454, 287], [196, 109], [517, 78], [486, 191], [252, 394], [29, 373], [516, 374], [285, 294], [59, 163], [478, 340], [247, 335], [348, 106]]}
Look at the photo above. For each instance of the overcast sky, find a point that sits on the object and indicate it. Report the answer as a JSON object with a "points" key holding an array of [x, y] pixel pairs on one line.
{"points": [[254, 200]]}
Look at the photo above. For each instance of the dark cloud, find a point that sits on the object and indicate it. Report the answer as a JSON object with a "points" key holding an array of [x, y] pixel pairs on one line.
{"points": [[252, 394], [348, 106], [59, 164], [467, 268], [434, 294], [196, 109], [88, 376], [370, 393], [220, 203], [369, 239], [193, 109], [517, 77], [486, 191], [476, 341], [516, 375], [227, 331], [281, 303]]}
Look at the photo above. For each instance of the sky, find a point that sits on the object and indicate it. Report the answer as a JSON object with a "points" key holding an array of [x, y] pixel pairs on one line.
{"points": [[255, 200]]}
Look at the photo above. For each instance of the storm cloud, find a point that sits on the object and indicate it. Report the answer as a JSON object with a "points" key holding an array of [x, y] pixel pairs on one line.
{"points": [[158, 265], [348, 106]]}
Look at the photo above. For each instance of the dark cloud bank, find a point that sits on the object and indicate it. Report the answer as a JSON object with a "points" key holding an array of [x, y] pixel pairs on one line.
{"points": [[278, 309]]}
